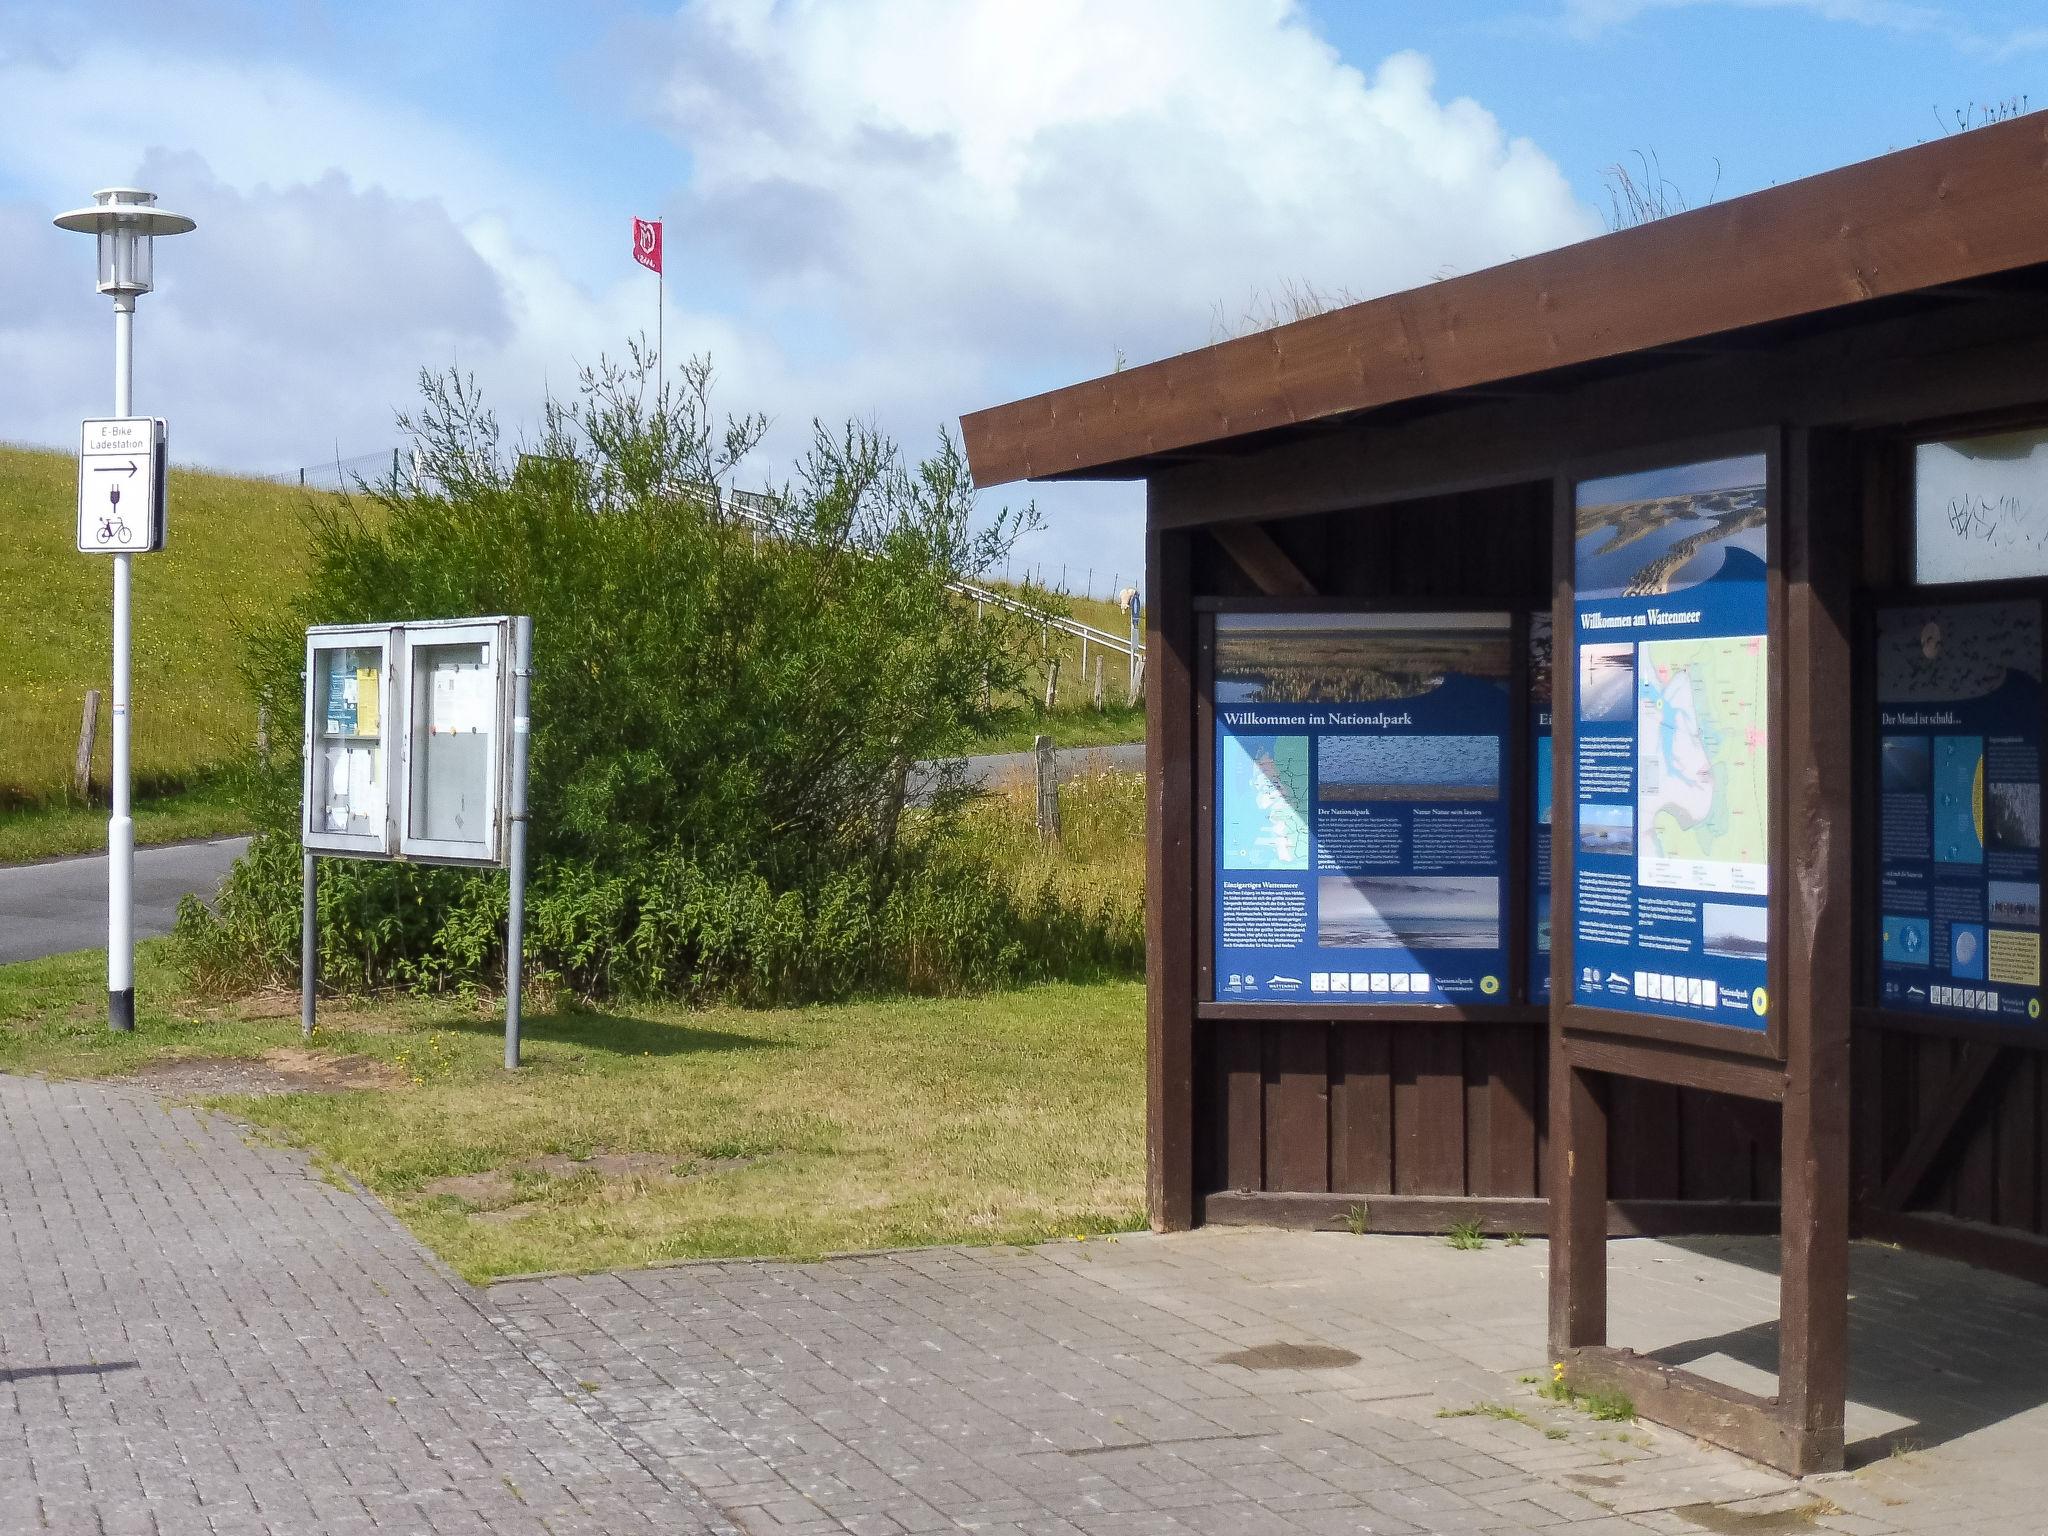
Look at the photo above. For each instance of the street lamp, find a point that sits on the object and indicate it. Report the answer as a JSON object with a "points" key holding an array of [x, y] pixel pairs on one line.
{"points": [[126, 221]]}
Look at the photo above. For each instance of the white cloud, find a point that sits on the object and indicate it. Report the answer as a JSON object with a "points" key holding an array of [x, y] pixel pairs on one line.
{"points": [[1060, 179], [987, 199], [897, 209]]}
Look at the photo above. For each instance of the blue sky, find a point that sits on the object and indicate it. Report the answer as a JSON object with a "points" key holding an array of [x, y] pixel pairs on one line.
{"points": [[898, 209]]}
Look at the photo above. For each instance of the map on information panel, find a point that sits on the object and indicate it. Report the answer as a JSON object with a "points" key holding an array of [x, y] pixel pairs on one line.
{"points": [[1702, 770], [1265, 802]]}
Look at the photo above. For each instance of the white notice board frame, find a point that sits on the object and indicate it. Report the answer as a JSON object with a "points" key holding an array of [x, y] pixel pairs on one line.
{"points": [[401, 756], [381, 840], [489, 848]]}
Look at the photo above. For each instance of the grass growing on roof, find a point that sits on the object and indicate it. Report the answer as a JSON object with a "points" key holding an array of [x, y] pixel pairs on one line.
{"points": [[786, 1132]]}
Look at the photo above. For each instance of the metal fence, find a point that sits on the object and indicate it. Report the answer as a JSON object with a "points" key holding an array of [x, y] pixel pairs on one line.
{"points": [[341, 474], [765, 513]]}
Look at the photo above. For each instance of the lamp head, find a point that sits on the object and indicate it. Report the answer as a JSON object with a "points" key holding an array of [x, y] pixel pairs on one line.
{"points": [[126, 220]]}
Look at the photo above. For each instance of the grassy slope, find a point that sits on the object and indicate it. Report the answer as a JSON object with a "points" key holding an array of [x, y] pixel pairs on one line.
{"points": [[1074, 721], [235, 549], [1009, 1118]]}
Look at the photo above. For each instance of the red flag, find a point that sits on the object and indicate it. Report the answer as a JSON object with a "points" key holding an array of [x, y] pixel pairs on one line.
{"points": [[647, 243]]}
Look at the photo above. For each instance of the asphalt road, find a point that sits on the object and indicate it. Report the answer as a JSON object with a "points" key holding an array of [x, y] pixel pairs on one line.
{"points": [[60, 905]]}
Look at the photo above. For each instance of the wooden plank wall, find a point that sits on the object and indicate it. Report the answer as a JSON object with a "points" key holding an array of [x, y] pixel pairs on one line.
{"points": [[1447, 1110], [1994, 1168], [1311, 1105]]}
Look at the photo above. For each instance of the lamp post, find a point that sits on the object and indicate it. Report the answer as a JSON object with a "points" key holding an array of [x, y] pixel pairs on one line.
{"points": [[126, 222]]}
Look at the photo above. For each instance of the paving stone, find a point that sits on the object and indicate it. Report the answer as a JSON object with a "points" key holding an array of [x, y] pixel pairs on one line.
{"points": [[204, 1337]]}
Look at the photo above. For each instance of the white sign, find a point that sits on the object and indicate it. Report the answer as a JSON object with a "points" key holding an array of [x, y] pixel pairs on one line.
{"points": [[121, 485]]}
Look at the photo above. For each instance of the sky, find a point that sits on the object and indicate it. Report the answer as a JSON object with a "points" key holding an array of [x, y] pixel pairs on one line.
{"points": [[892, 210]]}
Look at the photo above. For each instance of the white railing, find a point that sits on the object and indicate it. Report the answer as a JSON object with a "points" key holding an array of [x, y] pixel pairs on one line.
{"points": [[765, 512]]}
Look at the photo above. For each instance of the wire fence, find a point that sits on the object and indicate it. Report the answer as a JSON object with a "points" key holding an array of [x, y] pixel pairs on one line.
{"points": [[341, 474]]}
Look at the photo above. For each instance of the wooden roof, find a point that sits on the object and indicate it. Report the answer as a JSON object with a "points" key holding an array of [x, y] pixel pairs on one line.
{"points": [[1953, 211]]}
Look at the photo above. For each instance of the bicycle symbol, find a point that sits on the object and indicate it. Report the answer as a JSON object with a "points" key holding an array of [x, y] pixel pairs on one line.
{"points": [[112, 529]]}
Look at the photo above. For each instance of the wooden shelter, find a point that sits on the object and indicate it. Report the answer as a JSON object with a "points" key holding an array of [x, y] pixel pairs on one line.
{"points": [[1846, 376]]}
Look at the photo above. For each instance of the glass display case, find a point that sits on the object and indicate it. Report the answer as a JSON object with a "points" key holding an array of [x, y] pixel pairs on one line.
{"points": [[351, 727], [405, 740], [455, 773]]}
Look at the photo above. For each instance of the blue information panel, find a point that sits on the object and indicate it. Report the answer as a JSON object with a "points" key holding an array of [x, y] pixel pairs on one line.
{"points": [[1541, 779], [1671, 768], [1959, 716], [1361, 830]]}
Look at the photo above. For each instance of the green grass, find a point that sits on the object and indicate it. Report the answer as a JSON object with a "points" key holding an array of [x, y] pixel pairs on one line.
{"points": [[1504, 1413], [210, 807], [796, 1132], [1073, 721], [235, 551], [1467, 1236]]}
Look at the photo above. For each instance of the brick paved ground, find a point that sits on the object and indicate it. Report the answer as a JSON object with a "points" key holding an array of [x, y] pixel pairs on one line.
{"points": [[199, 1335]]}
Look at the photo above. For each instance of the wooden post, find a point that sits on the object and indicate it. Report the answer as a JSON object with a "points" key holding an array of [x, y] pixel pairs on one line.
{"points": [[1813, 1305], [1048, 790], [1052, 683], [1098, 682], [263, 733], [1137, 680], [1169, 879], [88, 736], [1578, 1209], [1084, 655]]}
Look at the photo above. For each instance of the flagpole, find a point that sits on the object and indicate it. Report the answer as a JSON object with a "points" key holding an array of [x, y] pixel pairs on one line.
{"points": [[661, 311]]}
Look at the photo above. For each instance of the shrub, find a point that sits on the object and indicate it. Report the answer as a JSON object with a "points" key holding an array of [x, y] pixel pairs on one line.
{"points": [[724, 720]]}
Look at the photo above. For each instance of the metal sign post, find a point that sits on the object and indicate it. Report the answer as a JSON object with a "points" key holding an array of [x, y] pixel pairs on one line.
{"points": [[125, 222], [515, 917]]}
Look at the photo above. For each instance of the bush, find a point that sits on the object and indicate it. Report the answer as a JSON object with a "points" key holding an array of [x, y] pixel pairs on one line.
{"points": [[724, 720]]}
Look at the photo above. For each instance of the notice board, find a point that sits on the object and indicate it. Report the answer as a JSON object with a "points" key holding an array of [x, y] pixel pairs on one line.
{"points": [[1361, 816], [1671, 742], [1959, 805]]}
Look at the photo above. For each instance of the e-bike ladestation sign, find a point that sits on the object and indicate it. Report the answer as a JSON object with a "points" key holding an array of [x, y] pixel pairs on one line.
{"points": [[407, 740]]}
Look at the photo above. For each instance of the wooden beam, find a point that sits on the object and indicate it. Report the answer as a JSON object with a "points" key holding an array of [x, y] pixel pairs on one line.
{"points": [[1683, 1066], [1938, 1127], [1578, 1218], [1952, 211], [1270, 568], [1814, 827], [1496, 1215], [1961, 360], [1170, 880], [1740, 1421]]}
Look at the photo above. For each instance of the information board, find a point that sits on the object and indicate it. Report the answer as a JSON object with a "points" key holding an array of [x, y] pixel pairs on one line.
{"points": [[1959, 776], [1360, 825], [1541, 781], [1671, 762]]}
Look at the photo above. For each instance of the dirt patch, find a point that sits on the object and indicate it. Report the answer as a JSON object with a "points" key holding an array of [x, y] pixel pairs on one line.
{"points": [[288, 1069], [1290, 1357], [495, 1186]]}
